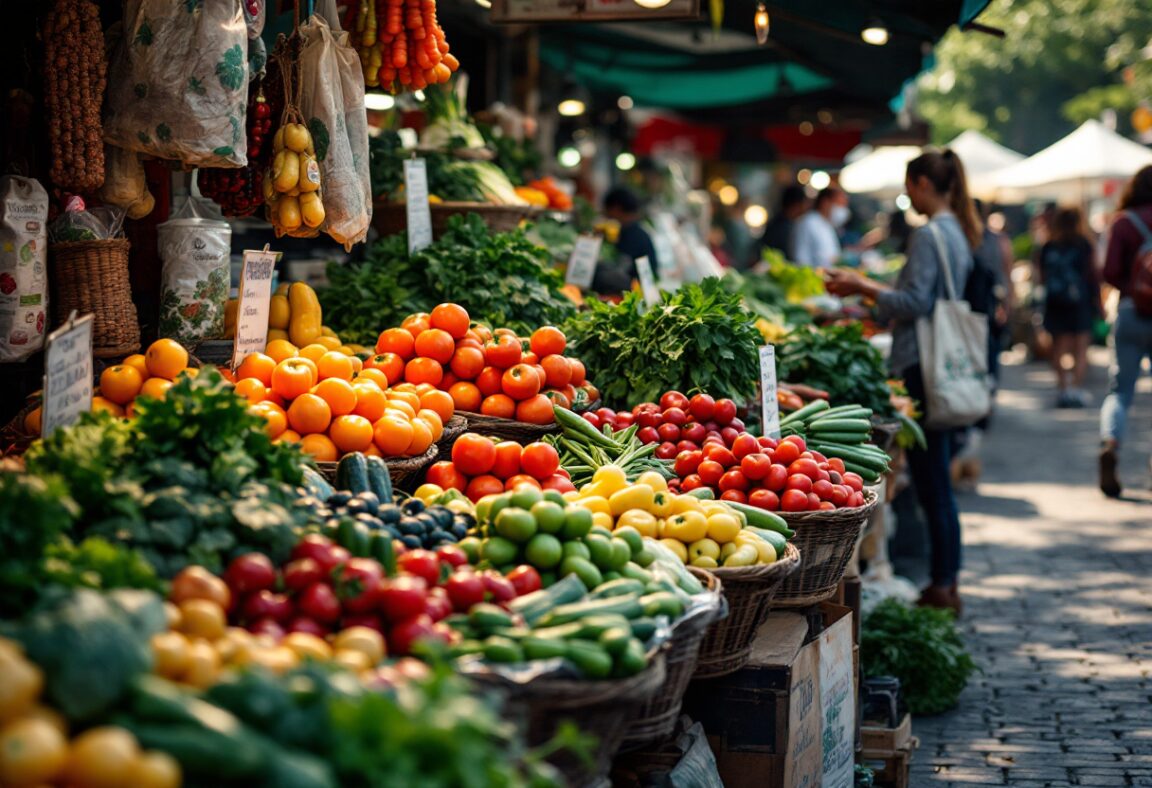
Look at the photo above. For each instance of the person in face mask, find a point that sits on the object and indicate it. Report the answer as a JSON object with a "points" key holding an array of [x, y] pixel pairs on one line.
{"points": [[816, 235]]}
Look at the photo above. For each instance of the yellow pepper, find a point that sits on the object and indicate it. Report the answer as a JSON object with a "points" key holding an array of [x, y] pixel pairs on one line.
{"points": [[678, 547], [642, 521], [602, 519], [723, 527], [766, 553], [653, 480], [746, 555], [595, 503], [704, 562], [662, 503], [634, 496], [279, 312], [686, 503], [688, 526], [610, 479]]}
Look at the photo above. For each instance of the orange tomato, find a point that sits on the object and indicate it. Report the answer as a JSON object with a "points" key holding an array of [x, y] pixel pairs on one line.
{"points": [[396, 341], [280, 349], [227, 374], [372, 451], [309, 413], [505, 332], [502, 351], [334, 364], [557, 371], [467, 362], [465, 396], [592, 392], [331, 343], [275, 419], [500, 405], [439, 401], [470, 341], [423, 370], [137, 362], [293, 377], [448, 381], [351, 433], [155, 388], [339, 395], [535, 410], [121, 383], [421, 438], [435, 344], [433, 420], [417, 322], [452, 318], [530, 358], [557, 397], [392, 435], [257, 366], [406, 395], [99, 404], [400, 406], [374, 375], [480, 331], [423, 388], [578, 371], [320, 447], [370, 400], [548, 340], [288, 436], [520, 382], [166, 358], [313, 352], [521, 478], [357, 364], [252, 390], [488, 381], [390, 364]]}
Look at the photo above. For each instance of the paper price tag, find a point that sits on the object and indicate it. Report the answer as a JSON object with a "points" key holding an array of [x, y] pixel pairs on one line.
{"points": [[67, 374], [582, 263], [419, 212], [647, 281], [255, 299], [769, 405]]}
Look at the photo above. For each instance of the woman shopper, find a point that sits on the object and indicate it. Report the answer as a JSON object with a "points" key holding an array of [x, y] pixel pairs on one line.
{"points": [[1129, 242], [1071, 301], [938, 188]]}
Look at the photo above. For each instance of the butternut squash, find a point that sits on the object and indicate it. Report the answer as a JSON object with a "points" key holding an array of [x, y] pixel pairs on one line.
{"points": [[304, 324]]}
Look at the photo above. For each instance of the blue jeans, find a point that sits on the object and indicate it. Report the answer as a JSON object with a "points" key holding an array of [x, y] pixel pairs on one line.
{"points": [[1132, 340], [931, 470]]}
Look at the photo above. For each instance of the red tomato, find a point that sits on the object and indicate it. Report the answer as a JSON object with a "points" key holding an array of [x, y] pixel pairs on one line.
{"points": [[267, 604], [720, 454], [499, 588], [446, 475], [406, 634], [525, 579], [473, 455], [421, 563], [559, 483], [694, 431], [836, 464], [737, 424], [683, 446], [729, 434], [687, 462], [465, 589], [439, 605], [520, 479], [764, 499], [857, 499], [502, 352], [691, 482], [710, 472], [814, 502], [835, 477], [675, 416], [755, 466], [798, 441], [768, 443], [488, 381], [808, 468], [267, 626], [520, 382], [823, 490], [733, 480], [777, 478], [591, 418], [826, 506], [823, 475], [648, 418], [249, 573], [359, 583], [607, 415], [452, 555], [668, 432], [673, 399], [318, 601], [794, 501], [321, 550], [540, 460], [854, 480], [818, 457], [666, 451], [724, 411], [312, 627], [301, 573], [402, 597], [507, 462], [483, 485], [702, 406], [624, 420], [786, 453], [734, 495], [839, 495], [799, 481], [745, 444], [648, 435]]}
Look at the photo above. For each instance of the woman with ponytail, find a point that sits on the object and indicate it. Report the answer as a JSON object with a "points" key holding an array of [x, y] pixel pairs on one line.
{"points": [[938, 188]]}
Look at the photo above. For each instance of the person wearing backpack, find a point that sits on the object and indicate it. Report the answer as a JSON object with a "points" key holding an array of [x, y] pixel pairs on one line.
{"points": [[1071, 301], [1128, 268]]}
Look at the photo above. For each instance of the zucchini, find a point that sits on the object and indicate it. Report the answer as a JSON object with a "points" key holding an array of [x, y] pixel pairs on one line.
{"points": [[486, 617], [662, 603], [591, 658], [703, 493], [593, 627], [616, 639], [762, 518], [643, 628], [352, 473], [503, 650], [847, 438], [774, 538], [811, 409], [535, 605], [536, 647], [317, 484], [380, 480], [621, 587], [841, 425], [631, 660], [629, 607], [198, 747]]}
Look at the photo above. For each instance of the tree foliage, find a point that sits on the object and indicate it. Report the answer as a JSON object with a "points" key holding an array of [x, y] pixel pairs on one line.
{"points": [[1061, 62]]}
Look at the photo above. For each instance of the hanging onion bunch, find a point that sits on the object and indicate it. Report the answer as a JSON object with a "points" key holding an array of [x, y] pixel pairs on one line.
{"points": [[402, 46]]}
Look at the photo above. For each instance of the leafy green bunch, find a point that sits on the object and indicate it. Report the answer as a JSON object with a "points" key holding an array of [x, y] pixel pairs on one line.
{"points": [[699, 337], [839, 360]]}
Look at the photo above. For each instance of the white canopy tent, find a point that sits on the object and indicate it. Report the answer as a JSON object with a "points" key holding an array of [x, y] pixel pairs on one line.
{"points": [[881, 172], [1074, 169]]}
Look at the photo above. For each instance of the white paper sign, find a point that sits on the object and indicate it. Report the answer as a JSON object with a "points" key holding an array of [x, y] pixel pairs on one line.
{"points": [[647, 281], [255, 297], [419, 213], [67, 374], [769, 405], [582, 263]]}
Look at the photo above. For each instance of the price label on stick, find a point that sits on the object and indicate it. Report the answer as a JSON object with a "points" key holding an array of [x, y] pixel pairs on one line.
{"points": [[582, 263], [647, 281], [67, 374], [419, 212], [769, 405], [255, 298]]}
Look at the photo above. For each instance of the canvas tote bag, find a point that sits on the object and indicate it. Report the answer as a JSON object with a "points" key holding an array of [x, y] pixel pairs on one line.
{"points": [[953, 355]]}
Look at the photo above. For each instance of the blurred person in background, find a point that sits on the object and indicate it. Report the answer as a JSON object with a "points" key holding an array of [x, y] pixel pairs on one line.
{"points": [[778, 232], [816, 234], [632, 243], [1071, 301], [1129, 242]]}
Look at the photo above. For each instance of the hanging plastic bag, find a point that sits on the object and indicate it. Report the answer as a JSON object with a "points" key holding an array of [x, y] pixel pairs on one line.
{"points": [[179, 82], [23, 267], [332, 103], [195, 248]]}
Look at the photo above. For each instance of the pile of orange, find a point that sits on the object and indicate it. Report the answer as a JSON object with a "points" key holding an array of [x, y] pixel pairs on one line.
{"points": [[484, 371], [332, 403]]}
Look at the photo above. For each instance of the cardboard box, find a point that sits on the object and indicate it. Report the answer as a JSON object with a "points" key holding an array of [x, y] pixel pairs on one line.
{"points": [[788, 719]]}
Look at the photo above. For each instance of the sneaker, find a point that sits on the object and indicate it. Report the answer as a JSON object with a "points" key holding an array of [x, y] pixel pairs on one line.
{"points": [[1109, 482]]}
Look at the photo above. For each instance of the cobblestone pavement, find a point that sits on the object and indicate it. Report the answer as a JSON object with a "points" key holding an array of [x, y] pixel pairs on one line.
{"points": [[1058, 592]]}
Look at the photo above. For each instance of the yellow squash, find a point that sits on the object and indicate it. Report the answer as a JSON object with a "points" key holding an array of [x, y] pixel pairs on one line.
{"points": [[304, 324]]}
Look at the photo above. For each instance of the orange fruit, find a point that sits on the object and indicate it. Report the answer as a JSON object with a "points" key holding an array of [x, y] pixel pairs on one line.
{"points": [[421, 438], [121, 383], [276, 420], [400, 406], [357, 363], [252, 390], [339, 395], [108, 406], [439, 401], [33, 420], [452, 318], [331, 343], [320, 447], [500, 405], [423, 370], [557, 371], [280, 349], [293, 377], [435, 344], [166, 358], [155, 388], [547, 340], [351, 433], [312, 352], [390, 364], [257, 366], [410, 397], [370, 400], [467, 362], [417, 322], [406, 387], [432, 419], [137, 362], [465, 396], [309, 413], [288, 436], [392, 435], [372, 451], [335, 364], [374, 375], [397, 341], [490, 381]]}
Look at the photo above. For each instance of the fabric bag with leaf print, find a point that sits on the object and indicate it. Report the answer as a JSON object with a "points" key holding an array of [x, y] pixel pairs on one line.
{"points": [[194, 246], [332, 104], [178, 86]]}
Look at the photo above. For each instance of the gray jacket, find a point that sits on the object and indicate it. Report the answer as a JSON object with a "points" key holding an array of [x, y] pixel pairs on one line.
{"points": [[919, 285]]}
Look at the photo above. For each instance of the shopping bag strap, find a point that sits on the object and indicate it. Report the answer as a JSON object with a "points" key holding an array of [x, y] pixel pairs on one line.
{"points": [[942, 253], [1140, 226]]}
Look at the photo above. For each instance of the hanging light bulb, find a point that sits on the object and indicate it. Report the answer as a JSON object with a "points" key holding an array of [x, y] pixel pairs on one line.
{"points": [[573, 101], [760, 21], [652, 4], [875, 33]]}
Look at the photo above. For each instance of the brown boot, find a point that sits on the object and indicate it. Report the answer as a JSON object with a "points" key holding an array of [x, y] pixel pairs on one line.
{"points": [[1109, 482]]}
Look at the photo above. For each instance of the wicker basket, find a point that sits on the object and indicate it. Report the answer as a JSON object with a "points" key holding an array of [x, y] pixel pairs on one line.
{"points": [[749, 591], [507, 429], [456, 426], [92, 276], [826, 540], [657, 717], [14, 439], [406, 472], [600, 708], [390, 218]]}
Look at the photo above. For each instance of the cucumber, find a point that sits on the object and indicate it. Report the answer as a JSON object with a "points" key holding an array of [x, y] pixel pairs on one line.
{"points": [[811, 409], [762, 518], [198, 746], [616, 639], [631, 660], [382, 550], [848, 412], [847, 438], [346, 535], [486, 617], [774, 538], [503, 650], [636, 572], [536, 647], [621, 587], [561, 632], [591, 659], [643, 628], [352, 473], [841, 425], [703, 493], [533, 606], [873, 458], [317, 484], [466, 647], [584, 569], [629, 607], [380, 480], [662, 603], [867, 474], [593, 627]]}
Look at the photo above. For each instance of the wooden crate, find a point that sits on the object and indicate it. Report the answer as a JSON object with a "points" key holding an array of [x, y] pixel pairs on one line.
{"points": [[890, 769]]}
